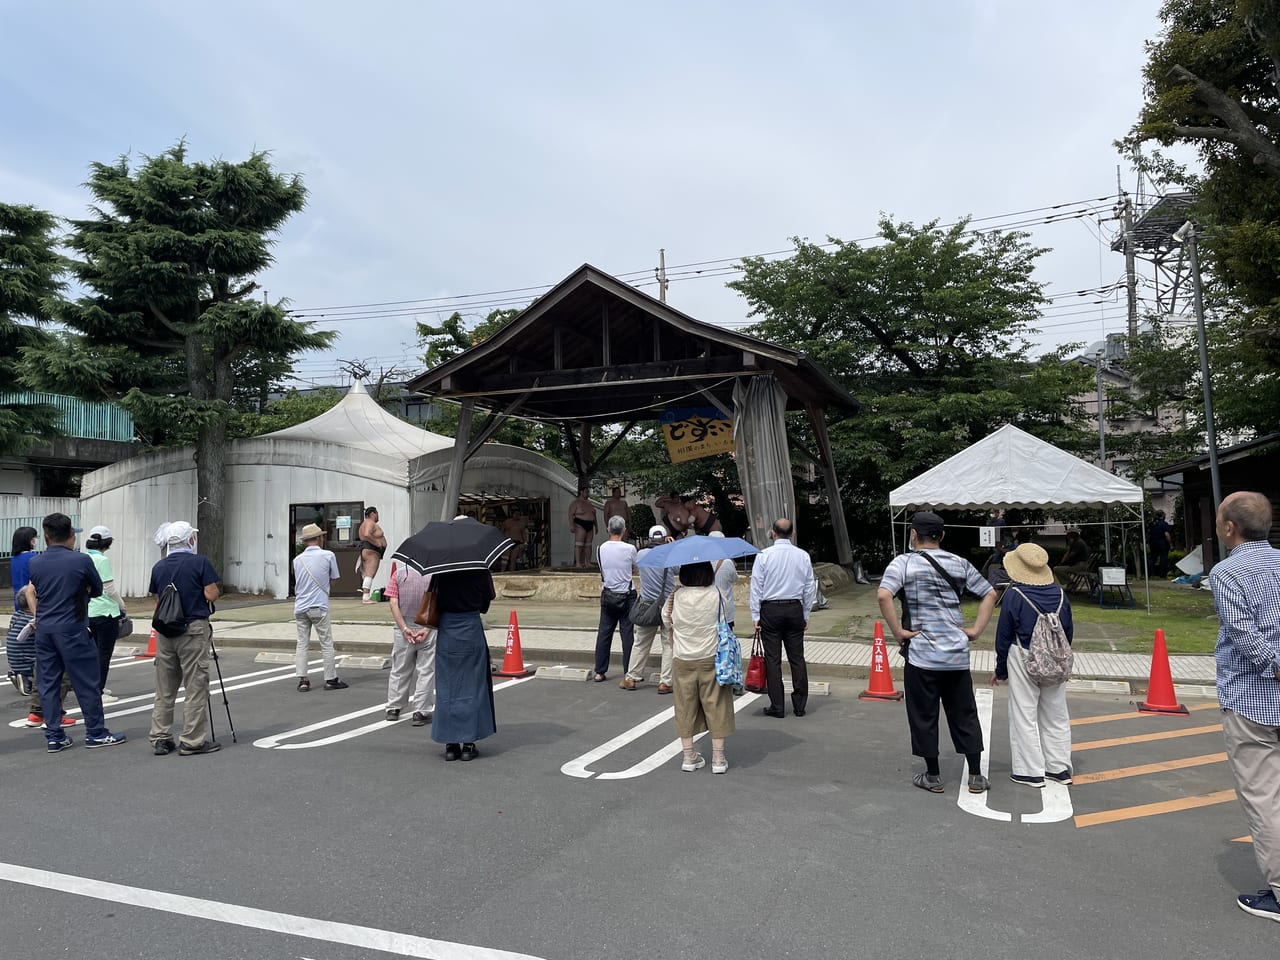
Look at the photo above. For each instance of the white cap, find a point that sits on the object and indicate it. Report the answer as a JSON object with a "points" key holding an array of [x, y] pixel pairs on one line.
{"points": [[100, 533], [716, 533], [657, 532], [180, 531]]}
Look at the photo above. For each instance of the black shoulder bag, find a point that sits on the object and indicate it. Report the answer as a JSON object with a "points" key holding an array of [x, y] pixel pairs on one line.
{"points": [[956, 585]]}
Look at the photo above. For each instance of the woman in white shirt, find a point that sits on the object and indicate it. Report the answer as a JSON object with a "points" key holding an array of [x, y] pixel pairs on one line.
{"points": [[691, 613]]}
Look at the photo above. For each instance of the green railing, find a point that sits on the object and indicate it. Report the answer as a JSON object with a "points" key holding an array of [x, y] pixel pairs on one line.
{"points": [[87, 419]]}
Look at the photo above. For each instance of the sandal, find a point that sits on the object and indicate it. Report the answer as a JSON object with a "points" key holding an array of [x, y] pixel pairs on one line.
{"points": [[303, 684], [599, 678], [929, 782]]}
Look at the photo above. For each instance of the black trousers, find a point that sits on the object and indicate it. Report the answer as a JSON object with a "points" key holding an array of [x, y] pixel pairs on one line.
{"points": [[925, 689], [614, 615], [782, 626], [105, 630]]}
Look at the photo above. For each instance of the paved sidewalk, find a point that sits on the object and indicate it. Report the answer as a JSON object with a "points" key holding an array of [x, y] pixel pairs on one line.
{"points": [[577, 645]]}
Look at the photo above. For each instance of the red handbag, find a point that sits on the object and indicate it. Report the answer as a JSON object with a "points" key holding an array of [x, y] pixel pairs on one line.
{"points": [[755, 679]]}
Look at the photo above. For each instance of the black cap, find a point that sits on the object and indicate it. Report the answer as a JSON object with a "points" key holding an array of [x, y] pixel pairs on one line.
{"points": [[927, 524]]}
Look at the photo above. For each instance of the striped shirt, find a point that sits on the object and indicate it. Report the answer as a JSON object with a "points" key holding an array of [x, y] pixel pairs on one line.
{"points": [[941, 643], [1246, 593]]}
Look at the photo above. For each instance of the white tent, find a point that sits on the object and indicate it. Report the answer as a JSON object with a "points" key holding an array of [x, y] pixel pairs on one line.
{"points": [[1011, 468], [352, 455]]}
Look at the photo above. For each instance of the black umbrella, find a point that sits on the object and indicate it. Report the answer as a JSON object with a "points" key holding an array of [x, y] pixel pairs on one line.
{"points": [[449, 546]]}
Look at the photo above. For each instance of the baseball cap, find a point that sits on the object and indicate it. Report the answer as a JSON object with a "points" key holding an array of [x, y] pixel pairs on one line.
{"points": [[927, 524], [100, 533], [657, 532], [180, 531]]}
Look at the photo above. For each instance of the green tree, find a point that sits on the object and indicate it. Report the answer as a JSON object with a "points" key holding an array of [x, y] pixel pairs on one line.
{"points": [[444, 341], [169, 322], [1212, 84], [30, 284], [928, 330], [290, 410]]}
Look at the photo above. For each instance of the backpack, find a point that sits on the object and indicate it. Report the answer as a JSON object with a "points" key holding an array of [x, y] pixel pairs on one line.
{"points": [[169, 618], [1049, 656]]}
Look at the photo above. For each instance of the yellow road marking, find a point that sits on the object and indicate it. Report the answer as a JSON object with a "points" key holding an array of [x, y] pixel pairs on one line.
{"points": [[1133, 715], [1121, 772], [1145, 738], [1154, 809]]}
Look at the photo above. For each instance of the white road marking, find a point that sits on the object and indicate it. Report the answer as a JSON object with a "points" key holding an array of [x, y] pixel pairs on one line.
{"points": [[577, 767], [327, 931], [1055, 797], [670, 751], [273, 742], [976, 803], [282, 673]]}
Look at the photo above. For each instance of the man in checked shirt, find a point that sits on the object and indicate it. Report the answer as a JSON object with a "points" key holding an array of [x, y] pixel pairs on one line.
{"points": [[1246, 593]]}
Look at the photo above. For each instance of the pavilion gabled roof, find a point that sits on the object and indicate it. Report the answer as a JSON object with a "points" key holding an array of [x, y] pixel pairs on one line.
{"points": [[595, 349]]}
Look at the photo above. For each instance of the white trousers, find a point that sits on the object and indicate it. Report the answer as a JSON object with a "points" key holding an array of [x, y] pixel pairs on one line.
{"points": [[1039, 726], [317, 617], [640, 653], [1253, 753], [412, 665]]}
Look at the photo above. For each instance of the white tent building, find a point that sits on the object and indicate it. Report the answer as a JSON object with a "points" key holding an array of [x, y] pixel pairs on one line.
{"points": [[326, 471], [1011, 468]]}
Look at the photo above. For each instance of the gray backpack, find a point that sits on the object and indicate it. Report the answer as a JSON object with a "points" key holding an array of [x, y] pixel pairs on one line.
{"points": [[1049, 657]]}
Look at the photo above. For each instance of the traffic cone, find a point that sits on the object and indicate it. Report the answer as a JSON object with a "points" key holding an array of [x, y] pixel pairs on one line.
{"points": [[513, 662], [881, 685], [151, 646], [1160, 695]]}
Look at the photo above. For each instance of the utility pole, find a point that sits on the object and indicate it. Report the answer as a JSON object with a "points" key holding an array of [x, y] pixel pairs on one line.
{"points": [[1102, 448], [1130, 270], [661, 274], [1187, 234]]}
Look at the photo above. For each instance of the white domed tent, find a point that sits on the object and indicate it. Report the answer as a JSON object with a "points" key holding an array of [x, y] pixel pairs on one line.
{"points": [[327, 470]]}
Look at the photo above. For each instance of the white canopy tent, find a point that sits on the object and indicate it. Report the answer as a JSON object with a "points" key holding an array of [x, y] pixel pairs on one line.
{"points": [[1011, 468]]}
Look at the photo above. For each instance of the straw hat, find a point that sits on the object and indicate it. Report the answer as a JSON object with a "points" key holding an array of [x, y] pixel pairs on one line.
{"points": [[311, 531], [1028, 564]]}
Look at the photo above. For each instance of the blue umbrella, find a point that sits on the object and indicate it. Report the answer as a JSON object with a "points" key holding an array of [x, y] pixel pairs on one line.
{"points": [[697, 550]]}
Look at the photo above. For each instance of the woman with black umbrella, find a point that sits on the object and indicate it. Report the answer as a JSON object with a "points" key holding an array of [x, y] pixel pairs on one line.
{"points": [[457, 554]]}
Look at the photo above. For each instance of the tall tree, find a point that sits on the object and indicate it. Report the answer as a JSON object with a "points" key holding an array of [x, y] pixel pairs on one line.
{"points": [[1212, 83], [30, 284], [447, 339], [169, 322], [929, 331]]}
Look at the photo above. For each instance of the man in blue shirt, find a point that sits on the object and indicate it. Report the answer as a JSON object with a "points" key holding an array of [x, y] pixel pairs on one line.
{"points": [[1246, 593], [184, 660], [783, 589], [62, 583]]}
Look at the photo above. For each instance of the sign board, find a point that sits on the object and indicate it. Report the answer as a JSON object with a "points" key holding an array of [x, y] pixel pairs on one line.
{"points": [[1112, 576], [342, 523], [986, 536], [695, 432]]}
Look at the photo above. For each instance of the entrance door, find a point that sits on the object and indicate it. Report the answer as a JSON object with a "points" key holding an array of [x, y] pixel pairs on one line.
{"points": [[340, 522]]}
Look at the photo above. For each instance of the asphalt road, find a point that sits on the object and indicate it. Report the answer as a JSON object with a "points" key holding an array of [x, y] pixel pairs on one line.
{"points": [[355, 839]]}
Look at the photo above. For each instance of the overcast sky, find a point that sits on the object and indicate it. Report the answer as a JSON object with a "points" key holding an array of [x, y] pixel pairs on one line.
{"points": [[462, 148]]}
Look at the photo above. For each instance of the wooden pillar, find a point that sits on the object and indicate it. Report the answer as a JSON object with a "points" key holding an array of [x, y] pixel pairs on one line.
{"points": [[453, 484], [840, 529]]}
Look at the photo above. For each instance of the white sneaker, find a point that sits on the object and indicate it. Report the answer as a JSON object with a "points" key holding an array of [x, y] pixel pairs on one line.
{"points": [[697, 763], [720, 766], [108, 698]]}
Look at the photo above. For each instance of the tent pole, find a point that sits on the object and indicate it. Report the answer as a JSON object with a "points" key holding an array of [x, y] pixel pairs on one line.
{"points": [[1146, 574]]}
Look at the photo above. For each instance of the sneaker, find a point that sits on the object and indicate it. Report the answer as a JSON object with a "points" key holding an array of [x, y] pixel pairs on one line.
{"points": [[719, 764], [978, 783], [57, 746], [162, 748], [109, 698], [109, 740], [928, 781], [1260, 904], [692, 763], [1037, 782], [209, 746], [34, 720], [421, 719], [335, 684], [393, 714], [1063, 776]]}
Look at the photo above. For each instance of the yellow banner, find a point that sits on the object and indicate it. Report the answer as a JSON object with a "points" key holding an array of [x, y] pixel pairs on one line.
{"points": [[695, 432]]}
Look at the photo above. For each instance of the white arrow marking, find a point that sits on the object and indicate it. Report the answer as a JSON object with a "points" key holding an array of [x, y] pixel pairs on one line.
{"points": [[976, 803]]}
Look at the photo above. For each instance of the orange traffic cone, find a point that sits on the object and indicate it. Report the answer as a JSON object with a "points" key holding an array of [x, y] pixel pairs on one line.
{"points": [[881, 685], [1160, 695], [513, 662], [151, 646]]}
